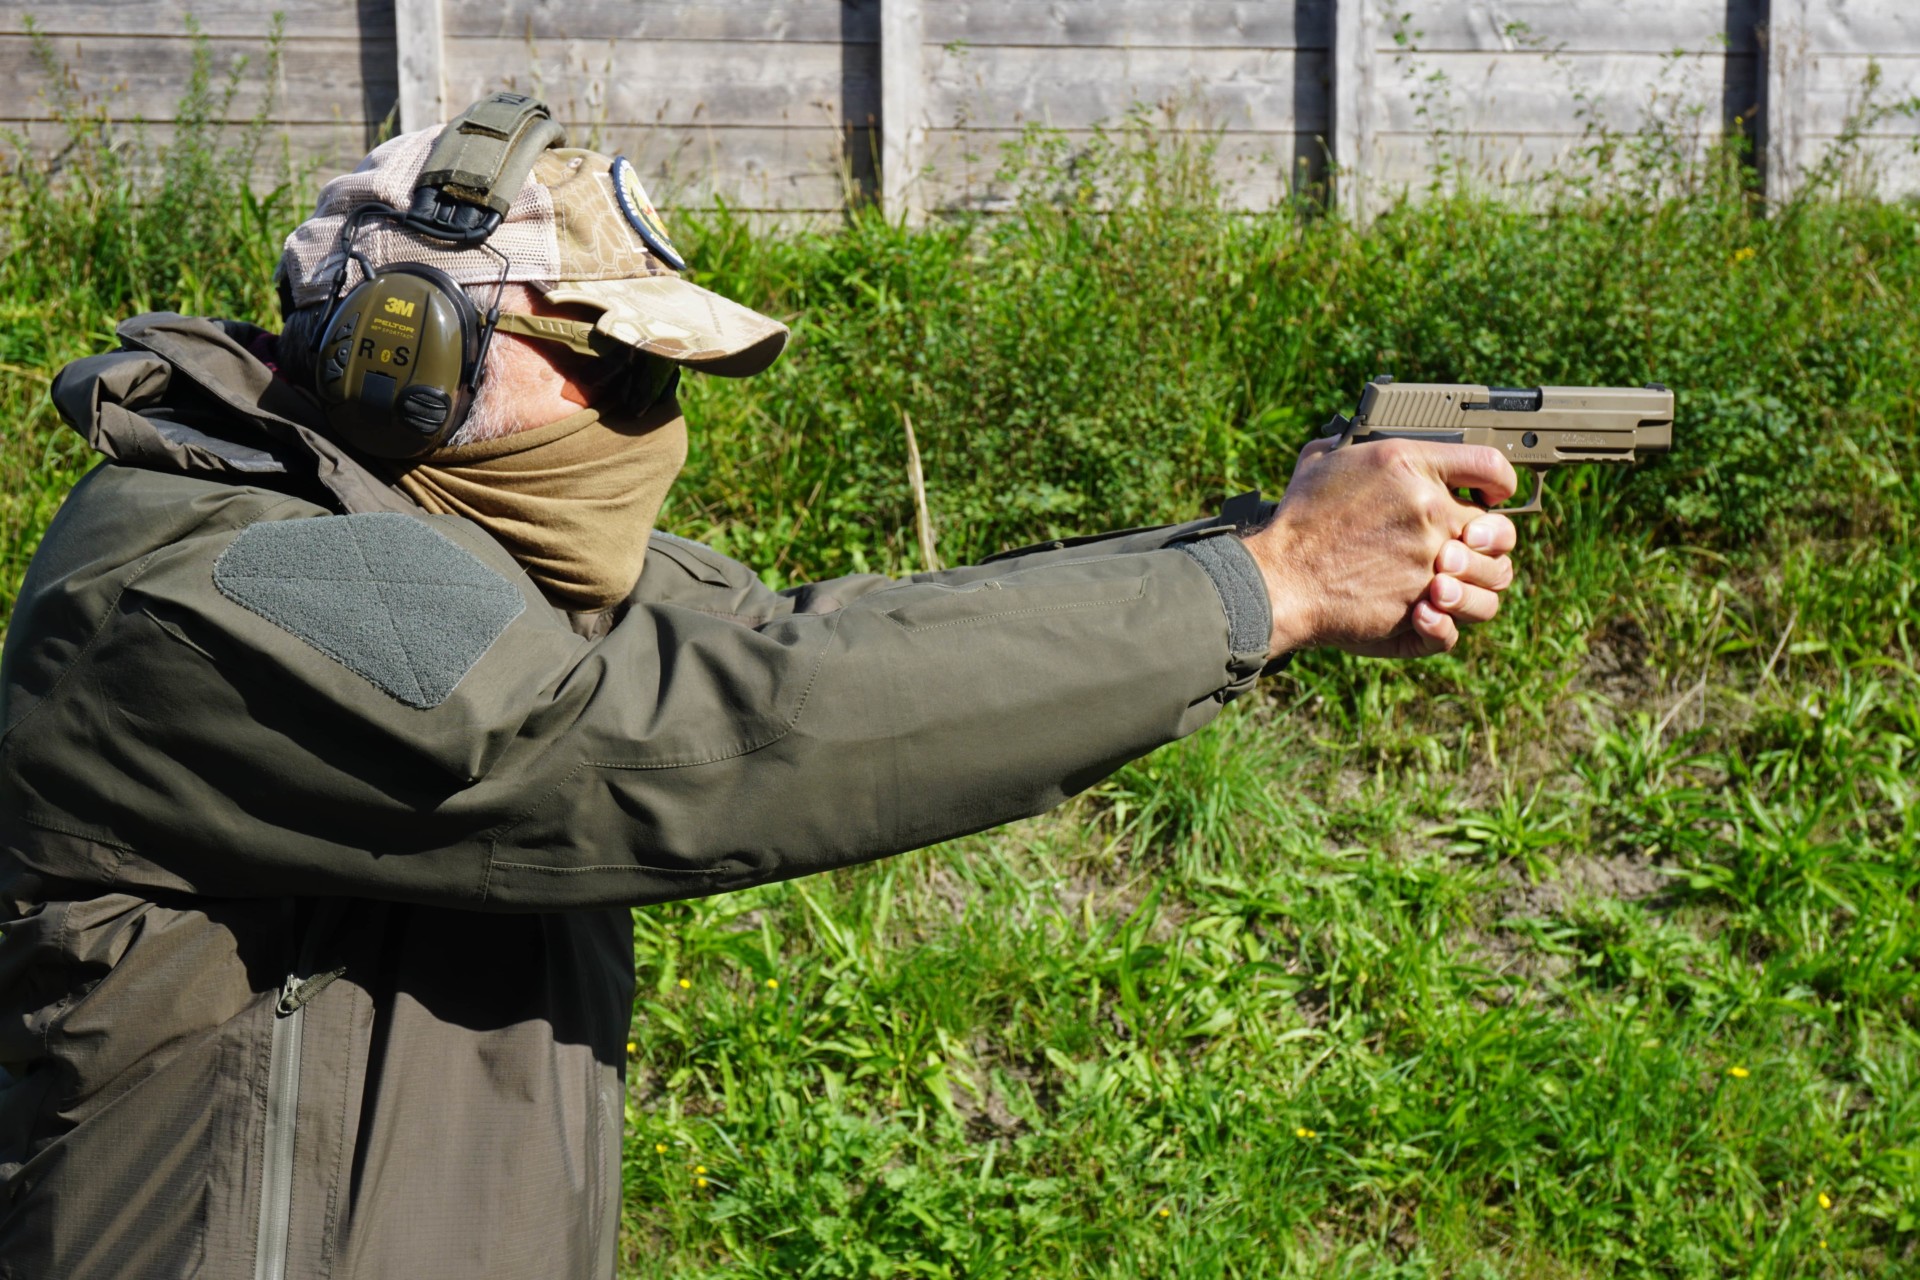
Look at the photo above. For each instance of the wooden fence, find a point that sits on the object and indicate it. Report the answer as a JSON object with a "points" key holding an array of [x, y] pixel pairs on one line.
{"points": [[793, 107]]}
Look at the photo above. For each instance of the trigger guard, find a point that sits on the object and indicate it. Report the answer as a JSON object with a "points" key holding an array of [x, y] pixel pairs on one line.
{"points": [[1533, 503]]}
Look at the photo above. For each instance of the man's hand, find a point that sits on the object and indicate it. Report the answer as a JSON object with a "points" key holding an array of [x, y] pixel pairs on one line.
{"points": [[1371, 552]]}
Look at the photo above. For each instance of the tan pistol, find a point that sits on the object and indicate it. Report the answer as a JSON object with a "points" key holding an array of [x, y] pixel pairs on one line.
{"points": [[1535, 427]]}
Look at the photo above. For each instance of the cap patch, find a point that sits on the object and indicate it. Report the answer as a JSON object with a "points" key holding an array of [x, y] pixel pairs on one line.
{"points": [[641, 213]]}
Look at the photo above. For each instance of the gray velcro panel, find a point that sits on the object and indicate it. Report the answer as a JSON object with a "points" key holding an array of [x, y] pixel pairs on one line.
{"points": [[1243, 592], [403, 607]]}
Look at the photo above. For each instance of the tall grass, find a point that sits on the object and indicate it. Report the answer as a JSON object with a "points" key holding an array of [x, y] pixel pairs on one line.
{"points": [[1594, 951]]}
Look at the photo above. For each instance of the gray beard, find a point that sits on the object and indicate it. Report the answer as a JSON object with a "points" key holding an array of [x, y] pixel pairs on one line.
{"points": [[486, 418]]}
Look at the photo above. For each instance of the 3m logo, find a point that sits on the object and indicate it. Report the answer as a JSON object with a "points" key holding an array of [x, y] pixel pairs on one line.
{"points": [[400, 307]]}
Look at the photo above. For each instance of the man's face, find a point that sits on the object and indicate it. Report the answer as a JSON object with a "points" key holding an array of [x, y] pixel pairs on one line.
{"points": [[531, 383]]}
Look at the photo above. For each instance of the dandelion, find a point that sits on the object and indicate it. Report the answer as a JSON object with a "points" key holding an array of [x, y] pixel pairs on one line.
{"points": [[632, 1047], [773, 984], [1823, 1244], [659, 1148], [1825, 1201], [699, 1182], [1165, 1212], [699, 1168], [684, 984], [1738, 1073]]}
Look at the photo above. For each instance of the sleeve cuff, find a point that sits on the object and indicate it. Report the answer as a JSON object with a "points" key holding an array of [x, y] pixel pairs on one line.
{"points": [[1243, 597], [1243, 593]]}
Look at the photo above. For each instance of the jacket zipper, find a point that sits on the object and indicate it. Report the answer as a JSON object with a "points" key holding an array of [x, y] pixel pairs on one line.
{"points": [[283, 1102]]}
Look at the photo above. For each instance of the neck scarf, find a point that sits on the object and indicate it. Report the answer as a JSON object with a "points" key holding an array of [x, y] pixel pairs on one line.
{"points": [[572, 501]]}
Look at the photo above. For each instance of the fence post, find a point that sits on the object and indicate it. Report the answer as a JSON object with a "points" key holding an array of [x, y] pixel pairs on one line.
{"points": [[1785, 94], [902, 108], [419, 33], [1355, 33]]}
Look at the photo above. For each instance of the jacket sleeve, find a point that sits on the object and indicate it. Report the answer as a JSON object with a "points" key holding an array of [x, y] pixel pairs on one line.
{"points": [[702, 578], [721, 735]]}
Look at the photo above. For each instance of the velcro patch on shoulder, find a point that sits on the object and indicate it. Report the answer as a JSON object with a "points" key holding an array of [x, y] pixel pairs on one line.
{"points": [[386, 596]]}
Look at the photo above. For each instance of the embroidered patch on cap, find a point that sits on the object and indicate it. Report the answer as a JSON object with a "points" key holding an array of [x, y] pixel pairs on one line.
{"points": [[641, 213], [402, 606]]}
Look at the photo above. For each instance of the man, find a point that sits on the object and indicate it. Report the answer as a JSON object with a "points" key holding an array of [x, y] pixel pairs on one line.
{"points": [[328, 778]]}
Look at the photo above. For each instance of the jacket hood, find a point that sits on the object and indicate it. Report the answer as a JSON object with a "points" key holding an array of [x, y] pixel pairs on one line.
{"points": [[187, 395]]}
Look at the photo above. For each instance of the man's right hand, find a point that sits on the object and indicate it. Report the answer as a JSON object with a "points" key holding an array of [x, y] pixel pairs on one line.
{"points": [[1371, 551]]}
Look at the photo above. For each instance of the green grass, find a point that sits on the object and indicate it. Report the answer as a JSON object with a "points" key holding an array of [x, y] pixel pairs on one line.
{"points": [[1592, 951]]}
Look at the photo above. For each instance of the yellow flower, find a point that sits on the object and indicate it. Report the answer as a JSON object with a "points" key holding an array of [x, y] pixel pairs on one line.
{"points": [[699, 1168], [1823, 1244], [1305, 1133], [699, 1182], [1825, 1202], [632, 1047], [684, 984], [1166, 1213], [773, 984], [659, 1148], [1744, 253], [1738, 1073]]}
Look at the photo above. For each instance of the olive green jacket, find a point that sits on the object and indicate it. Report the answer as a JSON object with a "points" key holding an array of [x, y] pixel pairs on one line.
{"points": [[319, 827]]}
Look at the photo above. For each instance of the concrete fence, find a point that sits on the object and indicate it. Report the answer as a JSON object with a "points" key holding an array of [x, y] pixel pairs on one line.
{"points": [[794, 107]]}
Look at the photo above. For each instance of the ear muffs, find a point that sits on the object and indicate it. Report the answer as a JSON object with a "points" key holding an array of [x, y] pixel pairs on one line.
{"points": [[399, 360], [401, 355]]}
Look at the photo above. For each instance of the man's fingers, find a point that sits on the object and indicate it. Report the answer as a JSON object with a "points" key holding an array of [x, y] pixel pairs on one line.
{"points": [[1492, 533], [1436, 632], [1466, 466], [1463, 600], [1492, 572]]}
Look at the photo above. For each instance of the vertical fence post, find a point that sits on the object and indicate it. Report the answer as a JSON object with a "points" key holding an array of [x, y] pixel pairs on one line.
{"points": [[1785, 94], [902, 108], [1355, 33], [420, 44]]}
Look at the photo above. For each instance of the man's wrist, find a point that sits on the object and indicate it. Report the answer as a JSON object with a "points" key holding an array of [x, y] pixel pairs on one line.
{"points": [[1289, 619]]}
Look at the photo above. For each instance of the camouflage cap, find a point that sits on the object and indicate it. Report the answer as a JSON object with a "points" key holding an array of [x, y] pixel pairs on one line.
{"points": [[581, 231]]}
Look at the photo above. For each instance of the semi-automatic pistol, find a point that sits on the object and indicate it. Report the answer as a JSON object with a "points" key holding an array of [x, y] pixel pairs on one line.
{"points": [[1535, 427]]}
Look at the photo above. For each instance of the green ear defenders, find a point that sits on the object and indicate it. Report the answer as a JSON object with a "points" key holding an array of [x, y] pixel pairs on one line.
{"points": [[402, 353], [400, 359]]}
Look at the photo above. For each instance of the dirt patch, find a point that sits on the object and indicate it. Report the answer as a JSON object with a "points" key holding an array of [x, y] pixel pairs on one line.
{"points": [[984, 1111], [1513, 954], [958, 898], [1617, 663], [982, 1105], [1115, 901], [1623, 877]]}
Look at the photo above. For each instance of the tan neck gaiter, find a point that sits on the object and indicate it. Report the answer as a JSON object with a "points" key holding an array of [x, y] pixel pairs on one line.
{"points": [[572, 501]]}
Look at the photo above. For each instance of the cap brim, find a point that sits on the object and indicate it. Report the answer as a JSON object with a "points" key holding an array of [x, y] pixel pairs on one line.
{"points": [[670, 317]]}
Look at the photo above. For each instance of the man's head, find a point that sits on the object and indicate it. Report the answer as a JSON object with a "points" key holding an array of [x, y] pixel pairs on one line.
{"points": [[579, 244], [527, 383]]}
